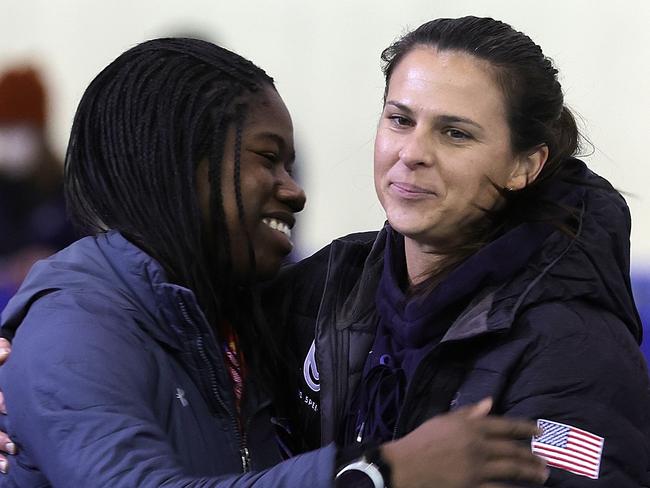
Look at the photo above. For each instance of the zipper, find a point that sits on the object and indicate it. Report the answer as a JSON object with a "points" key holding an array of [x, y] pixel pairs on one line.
{"points": [[409, 391], [212, 377], [243, 444], [245, 459]]}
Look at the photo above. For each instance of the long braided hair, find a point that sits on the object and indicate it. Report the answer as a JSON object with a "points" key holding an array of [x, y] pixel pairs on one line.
{"points": [[140, 131]]}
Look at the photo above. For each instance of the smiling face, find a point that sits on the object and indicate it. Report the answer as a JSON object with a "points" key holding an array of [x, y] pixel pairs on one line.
{"points": [[442, 144], [270, 195]]}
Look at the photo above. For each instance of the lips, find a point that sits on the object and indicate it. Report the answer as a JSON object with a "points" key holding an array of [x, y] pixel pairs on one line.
{"points": [[407, 190]]}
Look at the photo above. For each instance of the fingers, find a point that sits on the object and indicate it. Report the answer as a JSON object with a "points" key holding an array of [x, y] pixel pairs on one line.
{"points": [[6, 444], [497, 485], [478, 410], [509, 428], [5, 350], [514, 470], [506, 449], [508, 460]]}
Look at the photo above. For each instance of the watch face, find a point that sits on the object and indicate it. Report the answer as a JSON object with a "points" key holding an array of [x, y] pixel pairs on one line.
{"points": [[354, 479]]}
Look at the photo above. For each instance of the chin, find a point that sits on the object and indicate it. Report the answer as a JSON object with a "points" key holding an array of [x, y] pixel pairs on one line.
{"points": [[420, 234], [408, 227]]}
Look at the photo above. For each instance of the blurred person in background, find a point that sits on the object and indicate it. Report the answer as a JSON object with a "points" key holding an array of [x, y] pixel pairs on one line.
{"points": [[33, 221]]}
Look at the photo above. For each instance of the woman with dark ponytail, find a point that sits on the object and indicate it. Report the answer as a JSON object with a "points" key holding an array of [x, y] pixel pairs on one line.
{"points": [[502, 270], [140, 356]]}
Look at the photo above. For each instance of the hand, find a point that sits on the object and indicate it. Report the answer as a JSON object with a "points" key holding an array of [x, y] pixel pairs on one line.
{"points": [[465, 449], [6, 445]]}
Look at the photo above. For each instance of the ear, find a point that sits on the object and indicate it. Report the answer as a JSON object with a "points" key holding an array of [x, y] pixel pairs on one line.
{"points": [[528, 167]]}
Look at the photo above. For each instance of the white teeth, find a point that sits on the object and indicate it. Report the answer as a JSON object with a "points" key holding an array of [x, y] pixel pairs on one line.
{"points": [[278, 225]]}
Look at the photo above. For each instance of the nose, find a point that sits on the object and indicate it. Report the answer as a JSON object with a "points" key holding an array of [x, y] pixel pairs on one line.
{"points": [[290, 193], [418, 149]]}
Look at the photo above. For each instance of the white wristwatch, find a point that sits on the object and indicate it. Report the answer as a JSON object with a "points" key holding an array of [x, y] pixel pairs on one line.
{"points": [[360, 474]]}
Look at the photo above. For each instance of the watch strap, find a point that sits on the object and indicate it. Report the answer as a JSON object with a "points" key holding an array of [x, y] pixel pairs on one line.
{"points": [[370, 463], [369, 469], [373, 456]]}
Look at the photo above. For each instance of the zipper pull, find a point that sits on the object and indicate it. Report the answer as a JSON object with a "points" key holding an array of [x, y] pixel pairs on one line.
{"points": [[245, 459], [360, 432]]}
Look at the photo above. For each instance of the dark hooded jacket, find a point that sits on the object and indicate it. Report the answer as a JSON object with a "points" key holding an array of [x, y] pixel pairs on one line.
{"points": [[557, 341], [115, 379]]}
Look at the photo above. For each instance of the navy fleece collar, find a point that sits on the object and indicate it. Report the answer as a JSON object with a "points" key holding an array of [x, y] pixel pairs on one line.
{"points": [[410, 318]]}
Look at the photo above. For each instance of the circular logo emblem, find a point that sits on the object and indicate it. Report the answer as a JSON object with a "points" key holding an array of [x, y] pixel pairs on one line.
{"points": [[309, 369]]}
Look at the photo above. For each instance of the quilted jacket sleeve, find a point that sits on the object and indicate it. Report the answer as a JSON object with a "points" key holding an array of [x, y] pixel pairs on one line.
{"points": [[584, 371]]}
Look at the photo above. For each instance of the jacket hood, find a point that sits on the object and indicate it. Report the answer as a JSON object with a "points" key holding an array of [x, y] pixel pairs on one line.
{"points": [[594, 266], [113, 270]]}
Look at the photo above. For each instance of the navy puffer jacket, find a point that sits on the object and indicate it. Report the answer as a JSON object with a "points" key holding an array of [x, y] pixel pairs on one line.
{"points": [[116, 380], [557, 343]]}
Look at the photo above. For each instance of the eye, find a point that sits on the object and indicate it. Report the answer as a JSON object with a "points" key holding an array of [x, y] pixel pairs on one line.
{"points": [[457, 135], [269, 159], [398, 120]]}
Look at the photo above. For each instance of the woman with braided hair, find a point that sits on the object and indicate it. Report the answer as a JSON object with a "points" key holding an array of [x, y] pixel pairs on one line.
{"points": [[140, 357]]}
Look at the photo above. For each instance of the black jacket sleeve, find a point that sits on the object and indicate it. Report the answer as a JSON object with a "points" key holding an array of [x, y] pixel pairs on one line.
{"points": [[587, 374]]}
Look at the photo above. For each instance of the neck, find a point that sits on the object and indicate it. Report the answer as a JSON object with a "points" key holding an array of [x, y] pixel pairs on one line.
{"points": [[421, 260]]}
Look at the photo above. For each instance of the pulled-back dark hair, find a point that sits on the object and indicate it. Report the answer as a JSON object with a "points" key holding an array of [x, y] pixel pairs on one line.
{"points": [[528, 80], [140, 131], [535, 109]]}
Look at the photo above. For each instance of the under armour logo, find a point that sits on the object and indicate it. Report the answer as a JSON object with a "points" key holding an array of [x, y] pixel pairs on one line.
{"points": [[310, 370], [180, 394]]}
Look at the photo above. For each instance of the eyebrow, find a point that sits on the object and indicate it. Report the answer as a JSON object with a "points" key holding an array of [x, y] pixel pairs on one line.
{"points": [[443, 119]]}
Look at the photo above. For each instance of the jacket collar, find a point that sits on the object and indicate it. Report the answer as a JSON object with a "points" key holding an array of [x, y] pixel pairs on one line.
{"points": [[593, 267], [355, 293], [492, 310]]}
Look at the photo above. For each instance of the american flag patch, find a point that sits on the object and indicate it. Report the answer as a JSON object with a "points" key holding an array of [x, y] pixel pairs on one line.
{"points": [[568, 448]]}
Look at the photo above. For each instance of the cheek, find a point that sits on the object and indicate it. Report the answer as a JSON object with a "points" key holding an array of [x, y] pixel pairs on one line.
{"points": [[385, 156], [475, 193], [379, 171], [256, 185], [229, 202], [384, 144]]}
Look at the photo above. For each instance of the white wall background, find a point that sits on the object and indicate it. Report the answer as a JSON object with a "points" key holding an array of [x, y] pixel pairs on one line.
{"points": [[325, 59]]}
